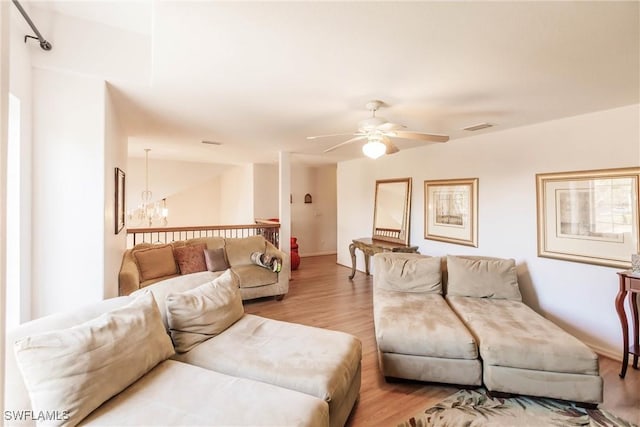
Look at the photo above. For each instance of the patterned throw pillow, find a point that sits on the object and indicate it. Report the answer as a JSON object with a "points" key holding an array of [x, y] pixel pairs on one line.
{"points": [[190, 259]]}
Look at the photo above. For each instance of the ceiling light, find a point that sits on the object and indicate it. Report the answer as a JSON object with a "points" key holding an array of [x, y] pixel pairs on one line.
{"points": [[148, 211], [374, 148]]}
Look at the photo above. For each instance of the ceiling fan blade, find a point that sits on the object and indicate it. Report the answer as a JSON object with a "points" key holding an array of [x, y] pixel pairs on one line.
{"points": [[420, 136], [391, 147], [357, 138], [387, 127], [328, 136]]}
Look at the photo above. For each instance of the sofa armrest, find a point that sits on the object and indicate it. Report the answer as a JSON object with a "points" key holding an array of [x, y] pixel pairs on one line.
{"points": [[129, 276]]}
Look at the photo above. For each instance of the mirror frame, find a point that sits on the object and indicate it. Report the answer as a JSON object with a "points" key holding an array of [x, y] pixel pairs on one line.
{"points": [[403, 236]]}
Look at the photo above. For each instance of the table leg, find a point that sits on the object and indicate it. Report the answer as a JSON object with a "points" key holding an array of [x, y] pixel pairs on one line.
{"points": [[625, 327], [633, 305], [366, 263], [352, 251]]}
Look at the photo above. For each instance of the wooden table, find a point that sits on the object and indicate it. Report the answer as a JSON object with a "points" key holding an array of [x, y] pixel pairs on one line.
{"points": [[370, 247], [629, 284]]}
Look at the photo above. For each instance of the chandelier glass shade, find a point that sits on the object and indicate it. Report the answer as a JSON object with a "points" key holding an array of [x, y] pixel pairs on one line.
{"points": [[374, 147], [148, 212]]}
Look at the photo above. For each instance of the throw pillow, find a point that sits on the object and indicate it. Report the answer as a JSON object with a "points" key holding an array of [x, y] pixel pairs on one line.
{"points": [[155, 262], [482, 277], [408, 272], [190, 259], [215, 259], [196, 315], [75, 370]]}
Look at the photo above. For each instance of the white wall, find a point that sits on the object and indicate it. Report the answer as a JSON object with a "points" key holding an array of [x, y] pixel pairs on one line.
{"points": [[314, 224], [20, 86], [197, 205], [236, 196], [578, 297], [68, 191], [265, 196], [115, 155]]}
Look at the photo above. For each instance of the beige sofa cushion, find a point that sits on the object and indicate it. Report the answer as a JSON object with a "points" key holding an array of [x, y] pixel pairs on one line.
{"points": [[213, 242], [407, 272], [155, 262], [511, 334], [315, 361], [196, 315], [482, 277], [161, 289], [251, 276], [178, 394], [79, 368], [420, 325], [239, 250]]}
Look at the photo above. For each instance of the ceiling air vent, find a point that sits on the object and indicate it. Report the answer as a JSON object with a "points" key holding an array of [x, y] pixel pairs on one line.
{"points": [[212, 142], [478, 127]]}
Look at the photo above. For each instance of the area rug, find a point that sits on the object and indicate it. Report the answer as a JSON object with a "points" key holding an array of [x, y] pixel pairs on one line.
{"points": [[473, 408]]}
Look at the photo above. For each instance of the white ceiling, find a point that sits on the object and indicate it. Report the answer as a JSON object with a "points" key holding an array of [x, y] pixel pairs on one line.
{"points": [[260, 77]]}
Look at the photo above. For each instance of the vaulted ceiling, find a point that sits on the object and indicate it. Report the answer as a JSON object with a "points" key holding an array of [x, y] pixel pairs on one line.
{"points": [[259, 77]]}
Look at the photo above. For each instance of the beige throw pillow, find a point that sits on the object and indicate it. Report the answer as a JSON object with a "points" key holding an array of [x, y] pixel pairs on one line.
{"points": [[483, 278], [75, 370], [196, 315], [408, 273], [155, 262]]}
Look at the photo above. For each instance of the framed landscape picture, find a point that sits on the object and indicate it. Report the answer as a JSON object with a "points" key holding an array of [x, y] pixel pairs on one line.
{"points": [[119, 200], [451, 211], [589, 216]]}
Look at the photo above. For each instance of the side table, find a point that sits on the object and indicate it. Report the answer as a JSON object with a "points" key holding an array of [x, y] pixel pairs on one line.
{"points": [[629, 284], [371, 247]]}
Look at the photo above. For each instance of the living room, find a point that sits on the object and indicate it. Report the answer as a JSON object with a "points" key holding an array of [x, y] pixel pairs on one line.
{"points": [[84, 114]]}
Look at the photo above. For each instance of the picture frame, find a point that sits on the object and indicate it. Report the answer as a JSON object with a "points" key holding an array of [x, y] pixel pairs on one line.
{"points": [[589, 216], [119, 206], [451, 211]]}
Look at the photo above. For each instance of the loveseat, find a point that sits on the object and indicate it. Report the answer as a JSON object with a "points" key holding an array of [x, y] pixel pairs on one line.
{"points": [[199, 260], [473, 329], [168, 357]]}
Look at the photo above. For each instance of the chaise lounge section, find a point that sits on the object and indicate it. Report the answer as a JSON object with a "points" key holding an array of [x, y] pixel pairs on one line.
{"points": [[419, 337], [520, 352]]}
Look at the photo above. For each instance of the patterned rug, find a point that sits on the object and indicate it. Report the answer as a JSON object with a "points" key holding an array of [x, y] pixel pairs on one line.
{"points": [[473, 408]]}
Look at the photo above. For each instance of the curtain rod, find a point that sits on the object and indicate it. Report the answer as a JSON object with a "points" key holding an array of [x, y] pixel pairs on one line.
{"points": [[45, 45]]}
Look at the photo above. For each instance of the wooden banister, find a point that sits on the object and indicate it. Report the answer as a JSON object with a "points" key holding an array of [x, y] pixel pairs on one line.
{"points": [[269, 229]]}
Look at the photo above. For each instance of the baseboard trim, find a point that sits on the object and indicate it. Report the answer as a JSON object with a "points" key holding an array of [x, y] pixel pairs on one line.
{"points": [[318, 254], [615, 355]]}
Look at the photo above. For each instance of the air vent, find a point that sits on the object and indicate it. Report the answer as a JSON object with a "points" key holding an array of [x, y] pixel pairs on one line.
{"points": [[212, 142], [478, 127]]}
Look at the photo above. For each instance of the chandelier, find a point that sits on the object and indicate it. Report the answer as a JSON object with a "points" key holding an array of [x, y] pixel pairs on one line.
{"points": [[148, 212]]}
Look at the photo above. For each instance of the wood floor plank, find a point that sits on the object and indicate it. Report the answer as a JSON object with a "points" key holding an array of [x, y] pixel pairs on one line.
{"points": [[321, 295]]}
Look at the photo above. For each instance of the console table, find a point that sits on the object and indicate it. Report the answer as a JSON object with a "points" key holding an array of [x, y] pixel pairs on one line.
{"points": [[371, 247], [629, 284]]}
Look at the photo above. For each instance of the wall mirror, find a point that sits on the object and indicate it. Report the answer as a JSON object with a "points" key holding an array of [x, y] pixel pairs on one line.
{"points": [[391, 210]]}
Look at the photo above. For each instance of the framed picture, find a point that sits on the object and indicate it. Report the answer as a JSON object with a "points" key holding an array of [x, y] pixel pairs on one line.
{"points": [[451, 211], [589, 216], [119, 200]]}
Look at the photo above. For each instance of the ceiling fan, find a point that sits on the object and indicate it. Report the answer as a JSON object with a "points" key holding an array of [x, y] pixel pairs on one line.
{"points": [[378, 133]]}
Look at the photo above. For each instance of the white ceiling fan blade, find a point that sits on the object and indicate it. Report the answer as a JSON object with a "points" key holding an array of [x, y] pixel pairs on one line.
{"points": [[328, 136], [420, 136], [391, 147], [357, 138], [387, 127]]}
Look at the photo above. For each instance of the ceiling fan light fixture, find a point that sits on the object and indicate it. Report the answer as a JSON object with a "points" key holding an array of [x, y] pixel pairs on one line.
{"points": [[374, 148]]}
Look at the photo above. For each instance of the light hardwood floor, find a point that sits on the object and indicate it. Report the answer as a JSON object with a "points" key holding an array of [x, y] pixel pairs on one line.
{"points": [[321, 295]]}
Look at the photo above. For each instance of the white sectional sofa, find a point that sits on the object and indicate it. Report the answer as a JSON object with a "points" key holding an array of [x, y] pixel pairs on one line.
{"points": [[114, 363], [479, 333]]}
